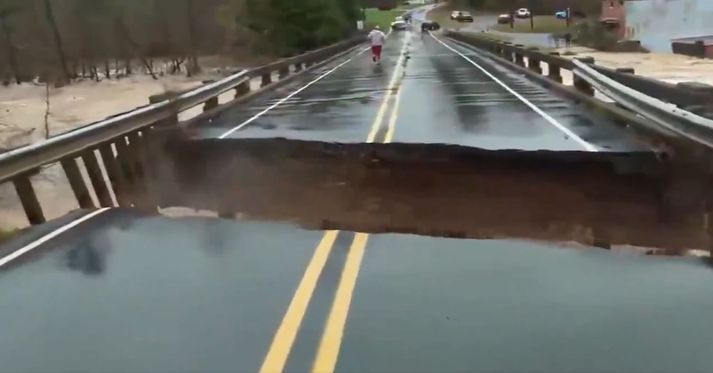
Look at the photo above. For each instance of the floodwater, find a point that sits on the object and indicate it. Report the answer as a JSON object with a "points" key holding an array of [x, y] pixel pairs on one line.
{"points": [[656, 22]]}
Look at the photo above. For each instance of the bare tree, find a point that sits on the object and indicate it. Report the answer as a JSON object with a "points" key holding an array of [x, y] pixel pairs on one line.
{"points": [[10, 48], [193, 67], [47, 109], [59, 44]]}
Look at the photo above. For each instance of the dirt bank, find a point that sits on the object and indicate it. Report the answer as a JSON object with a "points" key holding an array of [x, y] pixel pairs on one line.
{"points": [[591, 198]]}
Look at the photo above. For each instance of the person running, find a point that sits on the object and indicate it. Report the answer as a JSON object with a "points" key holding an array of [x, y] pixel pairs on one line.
{"points": [[377, 40]]}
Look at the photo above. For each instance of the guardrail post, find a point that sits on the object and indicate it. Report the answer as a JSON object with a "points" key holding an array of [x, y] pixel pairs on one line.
{"points": [[533, 63], [503, 50], [283, 72], [211, 104], [242, 88], [626, 70], [116, 177], [28, 198], [519, 58], [125, 167], [71, 170], [158, 98], [266, 79], [581, 84], [554, 71], [97, 179], [138, 160]]}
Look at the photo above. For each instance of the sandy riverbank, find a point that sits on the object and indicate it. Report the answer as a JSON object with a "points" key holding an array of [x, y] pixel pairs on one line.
{"points": [[22, 107], [22, 112], [672, 68]]}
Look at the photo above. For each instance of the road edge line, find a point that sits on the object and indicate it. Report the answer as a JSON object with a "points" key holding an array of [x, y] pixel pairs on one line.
{"points": [[548, 118], [49, 236], [282, 100]]}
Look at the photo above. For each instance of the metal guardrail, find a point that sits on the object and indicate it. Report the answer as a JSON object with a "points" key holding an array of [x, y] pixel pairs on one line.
{"points": [[667, 115], [682, 95], [125, 142], [663, 119]]}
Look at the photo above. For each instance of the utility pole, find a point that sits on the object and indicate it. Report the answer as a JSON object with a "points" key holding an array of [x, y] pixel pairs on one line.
{"points": [[532, 16]]}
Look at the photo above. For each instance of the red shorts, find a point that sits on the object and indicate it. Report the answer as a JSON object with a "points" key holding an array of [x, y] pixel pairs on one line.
{"points": [[376, 50]]}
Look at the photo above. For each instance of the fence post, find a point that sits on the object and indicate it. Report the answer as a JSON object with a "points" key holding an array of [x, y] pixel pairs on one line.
{"points": [[71, 170], [28, 198], [581, 84]]}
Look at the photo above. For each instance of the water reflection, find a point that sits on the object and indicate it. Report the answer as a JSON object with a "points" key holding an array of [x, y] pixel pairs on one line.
{"points": [[90, 255]]}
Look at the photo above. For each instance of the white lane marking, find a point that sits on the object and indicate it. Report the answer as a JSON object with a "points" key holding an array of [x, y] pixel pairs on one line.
{"points": [[547, 117], [280, 102], [31, 246]]}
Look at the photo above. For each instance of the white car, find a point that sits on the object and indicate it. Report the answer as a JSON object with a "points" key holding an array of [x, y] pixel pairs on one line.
{"points": [[523, 13], [399, 25], [455, 14]]}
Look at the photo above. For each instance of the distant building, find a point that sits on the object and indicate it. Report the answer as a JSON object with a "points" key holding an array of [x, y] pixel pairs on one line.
{"points": [[614, 16]]}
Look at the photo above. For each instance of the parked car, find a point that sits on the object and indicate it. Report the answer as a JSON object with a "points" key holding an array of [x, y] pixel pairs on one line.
{"points": [[454, 14], [504, 18], [523, 13], [399, 25], [464, 17], [430, 26]]}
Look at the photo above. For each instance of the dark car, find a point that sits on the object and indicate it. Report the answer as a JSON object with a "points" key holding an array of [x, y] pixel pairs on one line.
{"points": [[464, 17], [430, 26]]}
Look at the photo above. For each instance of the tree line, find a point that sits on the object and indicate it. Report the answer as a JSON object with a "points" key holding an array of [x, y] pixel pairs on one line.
{"points": [[62, 40]]}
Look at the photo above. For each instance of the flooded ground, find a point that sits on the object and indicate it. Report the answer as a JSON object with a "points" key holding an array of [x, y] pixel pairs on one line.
{"points": [[656, 22]]}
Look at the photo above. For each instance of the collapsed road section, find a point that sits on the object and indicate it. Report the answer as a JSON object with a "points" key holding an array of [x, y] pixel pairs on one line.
{"points": [[600, 199]]}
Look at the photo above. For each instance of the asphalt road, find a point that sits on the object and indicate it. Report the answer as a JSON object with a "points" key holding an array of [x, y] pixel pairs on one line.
{"points": [[130, 293], [209, 295], [442, 98]]}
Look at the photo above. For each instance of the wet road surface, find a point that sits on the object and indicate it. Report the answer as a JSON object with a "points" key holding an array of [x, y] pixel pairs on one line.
{"points": [[209, 295], [438, 97], [129, 293]]}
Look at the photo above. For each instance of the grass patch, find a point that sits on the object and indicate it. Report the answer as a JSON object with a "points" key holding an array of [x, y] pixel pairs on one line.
{"points": [[381, 18], [442, 15], [6, 235], [543, 24]]}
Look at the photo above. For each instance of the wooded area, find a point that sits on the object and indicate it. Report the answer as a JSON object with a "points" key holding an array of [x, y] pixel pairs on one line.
{"points": [[60, 40]]}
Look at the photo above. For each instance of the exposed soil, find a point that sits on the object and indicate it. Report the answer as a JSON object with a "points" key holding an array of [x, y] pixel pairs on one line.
{"points": [[442, 190]]}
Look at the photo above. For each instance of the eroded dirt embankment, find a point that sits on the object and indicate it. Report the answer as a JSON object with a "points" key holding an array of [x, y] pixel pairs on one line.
{"points": [[591, 198]]}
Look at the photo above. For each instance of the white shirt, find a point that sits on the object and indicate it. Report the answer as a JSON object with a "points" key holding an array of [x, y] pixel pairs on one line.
{"points": [[377, 38]]}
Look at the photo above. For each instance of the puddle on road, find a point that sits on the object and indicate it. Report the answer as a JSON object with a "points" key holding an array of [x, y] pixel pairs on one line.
{"points": [[619, 200]]}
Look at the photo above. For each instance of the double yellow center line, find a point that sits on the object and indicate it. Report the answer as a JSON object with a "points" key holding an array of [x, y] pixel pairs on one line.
{"points": [[330, 343]]}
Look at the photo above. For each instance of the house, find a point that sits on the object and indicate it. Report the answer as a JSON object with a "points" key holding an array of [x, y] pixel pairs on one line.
{"points": [[613, 15]]}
